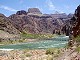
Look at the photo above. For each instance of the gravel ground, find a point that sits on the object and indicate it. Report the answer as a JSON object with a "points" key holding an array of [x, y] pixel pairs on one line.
{"points": [[23, 55], [36, 55]]}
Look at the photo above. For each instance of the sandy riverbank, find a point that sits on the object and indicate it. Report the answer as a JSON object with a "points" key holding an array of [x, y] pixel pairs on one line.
{"points": [[23, 55]]}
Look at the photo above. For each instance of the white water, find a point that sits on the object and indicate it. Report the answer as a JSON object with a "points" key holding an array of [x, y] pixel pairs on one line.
{"points": [[6, 49]]}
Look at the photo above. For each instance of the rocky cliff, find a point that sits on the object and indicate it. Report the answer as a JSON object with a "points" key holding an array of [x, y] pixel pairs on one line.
{"points": [[34, 21], [6, 25], [34, 11], [76, 22], [7, 30]]}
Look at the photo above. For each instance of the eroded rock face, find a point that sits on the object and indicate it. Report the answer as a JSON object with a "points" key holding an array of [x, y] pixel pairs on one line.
{"points": [[22, 12], [7, 29], [6, 25], [38, 23], [34, 11], [76, 22], [62, 15], [34, 21]]}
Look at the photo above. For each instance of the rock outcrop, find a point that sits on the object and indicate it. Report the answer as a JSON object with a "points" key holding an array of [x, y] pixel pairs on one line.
{"points": [[36, 22], [22, 12], [76, 22], [6, 25], [62, 15], [34, 11], [7, 30]]}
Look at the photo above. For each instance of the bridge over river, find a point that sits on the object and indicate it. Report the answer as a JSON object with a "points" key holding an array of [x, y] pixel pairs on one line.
{"points": [[58, 42]]}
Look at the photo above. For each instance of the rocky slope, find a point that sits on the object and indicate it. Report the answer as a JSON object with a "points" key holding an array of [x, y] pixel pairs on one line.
{"points": [[6, 28], [76, 22], [34, 21]]}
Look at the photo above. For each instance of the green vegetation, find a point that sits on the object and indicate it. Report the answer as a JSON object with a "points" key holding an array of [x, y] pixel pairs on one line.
{"points": [[53, 51], [5, 42], [67, 46], [26, 36], [25, 52], [50, 57], [78, 49], [77, 39], [37, 36]]}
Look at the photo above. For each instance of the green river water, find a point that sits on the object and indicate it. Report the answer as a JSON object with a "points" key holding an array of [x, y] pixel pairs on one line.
{"points": [[58, 42]]}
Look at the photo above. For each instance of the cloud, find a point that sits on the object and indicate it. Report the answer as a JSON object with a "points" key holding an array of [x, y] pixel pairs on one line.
{"points": [[7, 8], [50, 5]]}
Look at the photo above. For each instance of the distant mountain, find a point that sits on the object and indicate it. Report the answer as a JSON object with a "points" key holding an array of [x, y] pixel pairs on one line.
{"points": [[34, 21]]}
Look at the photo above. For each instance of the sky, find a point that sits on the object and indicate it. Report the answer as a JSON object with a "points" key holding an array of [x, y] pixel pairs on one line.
{"points": [[8, 7]]}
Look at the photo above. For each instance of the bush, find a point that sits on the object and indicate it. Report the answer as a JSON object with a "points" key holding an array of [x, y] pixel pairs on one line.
{"points": [[53, 51], [6, 42], [49, 57], [78, 49], [28, 55], [37, 36], [77, 39], [25, 52]]}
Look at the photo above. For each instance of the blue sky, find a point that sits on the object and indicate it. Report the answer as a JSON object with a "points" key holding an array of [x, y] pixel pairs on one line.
{"points": [[9, 7]]}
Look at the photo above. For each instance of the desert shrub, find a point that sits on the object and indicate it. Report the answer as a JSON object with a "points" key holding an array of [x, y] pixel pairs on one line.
{"points": [[53, 51], [77, 39], [28, 55], [6, 42], [49, 57], [78, 49], [25, 52], [37, 36]]}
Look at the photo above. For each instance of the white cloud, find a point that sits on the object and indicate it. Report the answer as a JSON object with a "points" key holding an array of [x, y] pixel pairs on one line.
{"points": [[50, 5], [8, 8]]}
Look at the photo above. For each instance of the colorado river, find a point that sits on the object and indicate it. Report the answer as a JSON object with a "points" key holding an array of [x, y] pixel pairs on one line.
{"points": [[58, 42]]}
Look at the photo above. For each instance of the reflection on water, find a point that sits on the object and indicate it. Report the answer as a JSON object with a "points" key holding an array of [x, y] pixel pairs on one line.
{"points": [[58, 42]]}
